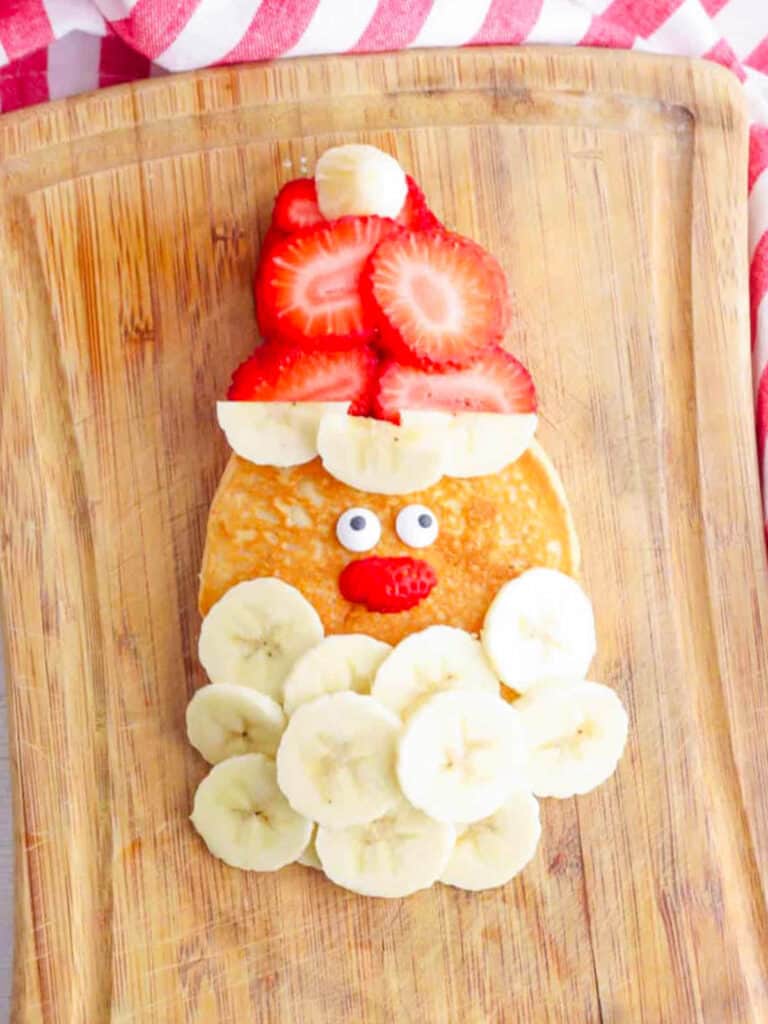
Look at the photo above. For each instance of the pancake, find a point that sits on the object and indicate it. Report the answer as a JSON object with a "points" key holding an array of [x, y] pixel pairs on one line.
{"points": [[266, 521]]}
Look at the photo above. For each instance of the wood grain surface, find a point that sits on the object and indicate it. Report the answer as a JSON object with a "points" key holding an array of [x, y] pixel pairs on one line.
{"points": [[611, 188]]}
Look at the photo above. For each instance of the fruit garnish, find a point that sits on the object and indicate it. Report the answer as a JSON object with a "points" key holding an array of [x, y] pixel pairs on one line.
{"points": [[255, 632], [276, 433], [341, 662], [226, 720], [477, 443], [540, 625], [396, 855], [490, 852], [335, 762], [387, 584], [577, 731], [495, 382], [357, 180], [382, 458], [308, 284], [415, 214], [232, 804], [415, 671], [435, 298], [460, 756], [270, 239], [296, 207], [288, 373], [496, 273]]}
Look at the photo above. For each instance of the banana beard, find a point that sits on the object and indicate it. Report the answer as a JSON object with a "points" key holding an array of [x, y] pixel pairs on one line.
{"points": [[394, 767]]}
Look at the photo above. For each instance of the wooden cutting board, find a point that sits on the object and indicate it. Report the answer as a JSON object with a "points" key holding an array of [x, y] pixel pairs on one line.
{"points": [[612, 189]]}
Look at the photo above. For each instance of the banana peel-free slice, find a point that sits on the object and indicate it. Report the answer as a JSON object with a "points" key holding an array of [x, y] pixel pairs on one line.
{"points": [[243, 817], [254, 633]]}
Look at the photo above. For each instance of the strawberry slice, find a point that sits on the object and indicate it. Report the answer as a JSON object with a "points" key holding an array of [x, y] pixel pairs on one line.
{"points": [[415, 214], [436, 299], [283, 373], [495, 382], [296, 207], [308, 285], [270, 238], [495, 270]]}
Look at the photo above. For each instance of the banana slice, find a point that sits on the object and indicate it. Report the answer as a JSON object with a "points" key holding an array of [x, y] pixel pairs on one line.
{"points": [[461, 755], [275, 433], [437, 659], [396, 855], [492, 851], [539, 628], [576, 733], [309, 858], [342, 662], [480, 443], [379, 457], [244, 818], [254, 634], [336, 760], [224, 720], [358, 180]]}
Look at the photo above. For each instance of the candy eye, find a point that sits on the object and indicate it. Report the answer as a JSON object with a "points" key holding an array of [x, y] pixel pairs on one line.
{"points": [[358, 529], [416, 526]]}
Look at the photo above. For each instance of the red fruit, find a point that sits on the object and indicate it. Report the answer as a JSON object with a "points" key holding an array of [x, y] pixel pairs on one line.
{"points": [[296, 206], [308, 285], [270, 239], [495, 382], [282, 373], [436, 299], [415, 214], [387, 584], [495, 270]]}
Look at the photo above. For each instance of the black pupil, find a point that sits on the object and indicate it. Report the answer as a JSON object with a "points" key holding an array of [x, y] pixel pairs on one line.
{"points": [[357, 522], [425, 520]]}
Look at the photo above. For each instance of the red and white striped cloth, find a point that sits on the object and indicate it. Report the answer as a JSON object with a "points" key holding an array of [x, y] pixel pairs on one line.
{"points": [[53, 48]]}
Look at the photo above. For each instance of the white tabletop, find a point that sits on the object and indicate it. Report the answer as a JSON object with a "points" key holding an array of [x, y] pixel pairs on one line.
{"points": [[6, 862]]}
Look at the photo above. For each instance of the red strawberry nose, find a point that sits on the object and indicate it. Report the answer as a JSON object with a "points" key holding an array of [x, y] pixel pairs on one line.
{"points": [[387, 584]]}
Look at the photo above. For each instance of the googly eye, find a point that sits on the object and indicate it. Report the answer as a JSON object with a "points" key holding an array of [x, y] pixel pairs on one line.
{"points": [[417, 526], [358, 529]]}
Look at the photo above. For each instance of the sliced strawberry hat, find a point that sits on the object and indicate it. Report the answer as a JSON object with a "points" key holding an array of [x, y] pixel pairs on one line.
{"points": [[416, 214], [308, 283], [296, 208], [393, 316], [288, 373], [436, 297], [494, 382], [498, 278]]}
